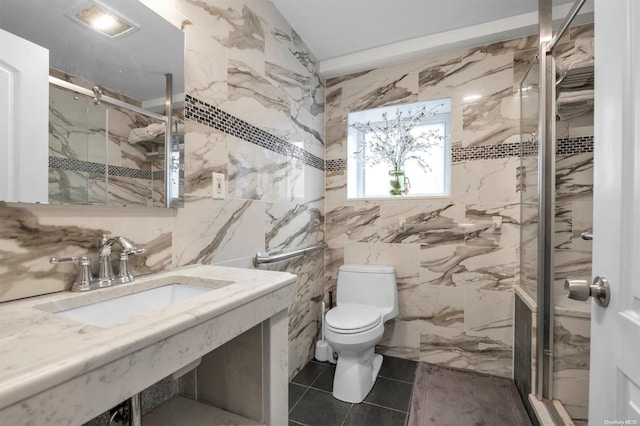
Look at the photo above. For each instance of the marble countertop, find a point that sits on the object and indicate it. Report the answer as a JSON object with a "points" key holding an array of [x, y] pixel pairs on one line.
{"points": [[39, 350]]}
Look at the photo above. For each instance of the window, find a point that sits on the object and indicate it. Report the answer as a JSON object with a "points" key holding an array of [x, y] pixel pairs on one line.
{"points": [[414, 136]]}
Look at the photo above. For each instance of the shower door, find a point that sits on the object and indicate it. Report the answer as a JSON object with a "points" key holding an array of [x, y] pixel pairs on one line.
{"points": [[528, 180]]}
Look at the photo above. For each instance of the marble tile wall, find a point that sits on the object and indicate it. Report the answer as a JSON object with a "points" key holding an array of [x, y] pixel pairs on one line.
{"points": [[243, 58], [455, 284]]}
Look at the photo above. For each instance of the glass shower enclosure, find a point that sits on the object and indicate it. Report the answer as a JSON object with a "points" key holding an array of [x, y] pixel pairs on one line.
{"points": [[551, 348]]}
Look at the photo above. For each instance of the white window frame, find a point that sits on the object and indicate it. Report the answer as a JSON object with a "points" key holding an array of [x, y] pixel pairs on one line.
{"points": [[356, 168]]}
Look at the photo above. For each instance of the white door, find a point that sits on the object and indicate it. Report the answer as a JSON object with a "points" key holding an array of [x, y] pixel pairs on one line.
{"points": [[614, 392], [24, 120]]}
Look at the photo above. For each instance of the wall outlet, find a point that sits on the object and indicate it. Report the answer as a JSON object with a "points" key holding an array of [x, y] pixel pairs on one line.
{"points": [[218, 190]]}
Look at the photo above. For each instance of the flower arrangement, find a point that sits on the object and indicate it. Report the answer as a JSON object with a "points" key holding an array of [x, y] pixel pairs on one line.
{"points": [[392, 142]]}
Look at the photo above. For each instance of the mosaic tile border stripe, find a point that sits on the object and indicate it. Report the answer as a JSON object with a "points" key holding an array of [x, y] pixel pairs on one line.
{"points": [[578, 145], [564, 146], [485, 152], [335, 165], [100, 168], [214, 117]]}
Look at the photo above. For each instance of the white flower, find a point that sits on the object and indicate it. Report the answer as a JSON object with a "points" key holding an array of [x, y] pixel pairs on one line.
{"points": [[392, 142]]}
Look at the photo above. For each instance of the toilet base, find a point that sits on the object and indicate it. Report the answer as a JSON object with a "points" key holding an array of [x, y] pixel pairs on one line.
{"points": [[355, 375]]}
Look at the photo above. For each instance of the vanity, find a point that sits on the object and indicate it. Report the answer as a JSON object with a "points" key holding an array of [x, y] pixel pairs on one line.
{"points": [[61, 369]]}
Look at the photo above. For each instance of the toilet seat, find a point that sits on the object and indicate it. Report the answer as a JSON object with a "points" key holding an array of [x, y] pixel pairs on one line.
{"points": [[352, 319]]}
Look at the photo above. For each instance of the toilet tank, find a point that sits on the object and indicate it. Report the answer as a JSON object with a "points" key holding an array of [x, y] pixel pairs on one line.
{"points": [[373, 285]]}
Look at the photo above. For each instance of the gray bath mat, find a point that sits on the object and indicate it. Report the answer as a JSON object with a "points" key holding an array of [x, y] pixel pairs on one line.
{"points": [[444, 396]]}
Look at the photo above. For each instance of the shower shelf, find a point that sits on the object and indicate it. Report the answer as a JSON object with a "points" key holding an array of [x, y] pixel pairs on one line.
{"points": [[581, 78]]}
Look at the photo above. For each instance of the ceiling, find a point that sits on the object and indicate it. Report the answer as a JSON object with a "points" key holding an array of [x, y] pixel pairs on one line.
{"points": [[353, 35]]}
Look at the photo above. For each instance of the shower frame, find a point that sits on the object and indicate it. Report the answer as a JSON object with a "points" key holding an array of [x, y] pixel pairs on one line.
{"points": [[546, 195]]}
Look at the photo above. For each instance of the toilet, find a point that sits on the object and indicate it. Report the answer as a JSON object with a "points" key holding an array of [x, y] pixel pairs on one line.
{"points": [[367, 296]]}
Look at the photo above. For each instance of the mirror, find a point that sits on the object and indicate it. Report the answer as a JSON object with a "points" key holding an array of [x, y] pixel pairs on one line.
{"points": [[107, 131]]}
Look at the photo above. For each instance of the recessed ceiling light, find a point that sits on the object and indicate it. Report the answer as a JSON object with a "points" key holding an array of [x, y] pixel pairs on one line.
{"points": [[97, 17]]}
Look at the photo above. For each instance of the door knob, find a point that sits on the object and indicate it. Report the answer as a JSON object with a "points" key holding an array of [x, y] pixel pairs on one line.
{"points": [[581, 290]]}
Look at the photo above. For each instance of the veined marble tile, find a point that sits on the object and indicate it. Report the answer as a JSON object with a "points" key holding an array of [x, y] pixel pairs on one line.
{"points": [[529, 225], [205, 66], [529, 270], [304, 312], [489, 314], [256, 173], [405, 258], [213, 231], [582, 222], [401, 339], [312, 188], [232, 23], [309, 128], [70, 125], [529, 183], [571, 364], [333, 104], [205, 152], [483, 214], [294, 69], [485, 181], [521, 61], [31, 234], [452, 347], [493, 119], [441, 306], [394, 90], [574, 177], [456, 123], [333, 259], [256, 100], [421, 222], [127, 191], [502, 47], [358, 222], [563, 234], [471, 267], [392, 71], [68, 187], [293, 226], [336, 137], [97, 188], [336, 188], [485, 76]]}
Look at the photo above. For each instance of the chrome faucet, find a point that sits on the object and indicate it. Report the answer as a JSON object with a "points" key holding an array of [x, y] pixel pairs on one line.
{"points": [[106, 277], [85, 280]]}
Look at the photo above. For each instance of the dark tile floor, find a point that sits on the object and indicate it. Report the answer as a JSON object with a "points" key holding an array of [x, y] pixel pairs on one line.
{"points": [[436, 399], [311, 402]]}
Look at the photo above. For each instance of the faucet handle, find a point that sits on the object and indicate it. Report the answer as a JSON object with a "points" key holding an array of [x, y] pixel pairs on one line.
{"points": [[135, 251], [64, 260], [85, 280], [124, 273]]}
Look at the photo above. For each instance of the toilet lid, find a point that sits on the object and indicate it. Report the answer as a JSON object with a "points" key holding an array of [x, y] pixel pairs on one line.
{"points": [[348, 318]]}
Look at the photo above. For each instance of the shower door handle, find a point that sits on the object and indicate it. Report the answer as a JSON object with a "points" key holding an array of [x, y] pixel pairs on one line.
{"points": [[581, 290]]}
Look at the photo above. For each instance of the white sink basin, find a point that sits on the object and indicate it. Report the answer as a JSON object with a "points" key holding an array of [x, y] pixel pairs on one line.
{"points": [[119, 309]]}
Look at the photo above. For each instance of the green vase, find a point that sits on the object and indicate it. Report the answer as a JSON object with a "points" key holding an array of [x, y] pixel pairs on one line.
{"points": [[396, 182]]}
